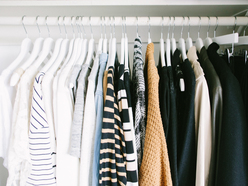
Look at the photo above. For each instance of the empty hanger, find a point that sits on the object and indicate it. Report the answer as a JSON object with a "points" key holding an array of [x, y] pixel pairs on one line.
{"points": [[122, 45], [26, 47], [91, 46], [56, 52], [149, 32], [162, 45], [182, 43], [63, 52], [189, 42], [225, 39], [208, 40], [173, 40], [168, 54], [34, 54], [126, 48], [105, 41], [199, 42]]}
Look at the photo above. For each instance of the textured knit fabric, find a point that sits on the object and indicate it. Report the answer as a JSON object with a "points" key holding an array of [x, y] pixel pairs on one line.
{"points": [[231, 163], [78, 115], [155, 166], [131, 167], [215, 93], [203, 127], [99, 115], [113, 149], [88, 128], [42, 172], [73, 78], [186, 155], [139, 99], [105, 81]]}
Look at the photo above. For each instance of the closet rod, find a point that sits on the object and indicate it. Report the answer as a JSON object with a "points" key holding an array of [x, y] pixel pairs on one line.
{"points": [[129, 21]]}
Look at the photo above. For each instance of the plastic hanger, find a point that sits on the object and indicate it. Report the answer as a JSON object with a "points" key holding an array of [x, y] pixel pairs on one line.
{"points": [[122, 46], [243, 40], [168, 55], [173, 40], [105, 41], [162, 46], [34, 54], [126, 48], [199, 42], [26, 47], [182, 44], [208, 40], [47, 47], [100, 42], [55, 54], [189, 42], [225, 39], [91, 47], [113, 48], [149, 33], [110, 48], [63, 52]]}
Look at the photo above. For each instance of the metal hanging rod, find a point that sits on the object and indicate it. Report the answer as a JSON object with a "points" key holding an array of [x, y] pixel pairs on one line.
{"points": [[129, 21]]}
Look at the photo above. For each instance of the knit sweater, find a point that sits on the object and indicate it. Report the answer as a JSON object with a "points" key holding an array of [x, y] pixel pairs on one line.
{"points": [[155, 166]]}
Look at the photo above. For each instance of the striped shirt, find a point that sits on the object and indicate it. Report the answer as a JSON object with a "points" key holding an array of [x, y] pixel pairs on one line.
{"points": [[112, 169], [132, 178], [42, 172]]}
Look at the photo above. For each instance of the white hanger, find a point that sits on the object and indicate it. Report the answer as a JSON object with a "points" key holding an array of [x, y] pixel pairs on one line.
{"points": [[208, 40], [110, 48], [100, 42], [225, 39], [189, 42], [122, 46], [182, 44], [199, 42], [173, 41], [63, 52], [168, 54], [243, 40], [34, 54], [126, 48], [149, 33], [105, 41], [26, 47], [91, 47], [55, 54], [162, 46], [113, 49]]}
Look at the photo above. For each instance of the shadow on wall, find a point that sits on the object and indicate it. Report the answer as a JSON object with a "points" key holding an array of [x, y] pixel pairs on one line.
{"points": [[3, 173]]}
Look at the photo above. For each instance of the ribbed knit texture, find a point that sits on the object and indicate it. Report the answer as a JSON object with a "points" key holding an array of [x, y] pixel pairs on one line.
{"points": [[155, 166]]}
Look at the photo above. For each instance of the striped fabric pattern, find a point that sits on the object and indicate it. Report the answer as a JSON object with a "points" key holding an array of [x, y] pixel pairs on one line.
{"points": [[112, 168], [42, 172], [132, 178], [139, 99]]}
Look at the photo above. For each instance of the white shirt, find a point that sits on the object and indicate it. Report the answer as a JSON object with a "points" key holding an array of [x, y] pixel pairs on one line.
{"points": [[67, 170], [19, 163], [203, 125], [89, 125]]}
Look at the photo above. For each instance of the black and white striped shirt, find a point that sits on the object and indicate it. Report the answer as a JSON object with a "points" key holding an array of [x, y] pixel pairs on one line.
{"points": [[42, 172]]}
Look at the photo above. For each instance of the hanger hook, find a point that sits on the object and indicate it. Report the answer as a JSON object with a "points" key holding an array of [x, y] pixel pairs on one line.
{"points": [[172, 35], [168, 36], [162, 28], [149, 31], [125, 25], [59, 26], [105, 28], [72, 27], [24, 26], [77, 25], [137, 26], [64, 27], [182, 27], [217, 24], [90, 27], [113, 26], [47, 26], [83, 25], [101, 27], [235, 24], [208, 25], [110, 24], [189, 26], [199, 27], [245, 29], [37, 24]]}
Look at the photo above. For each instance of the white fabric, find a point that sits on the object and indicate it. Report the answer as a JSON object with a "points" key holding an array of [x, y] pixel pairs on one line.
{"points": [[67, 171], [7, 96], [89, 126], [203, 125], [19, 163]]}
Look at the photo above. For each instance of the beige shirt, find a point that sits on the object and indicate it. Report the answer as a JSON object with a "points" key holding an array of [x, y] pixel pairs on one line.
{"points": [[202, 121]]}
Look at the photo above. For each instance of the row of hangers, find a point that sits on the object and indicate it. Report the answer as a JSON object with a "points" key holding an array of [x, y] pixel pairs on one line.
{"points": [[76, 50]]}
